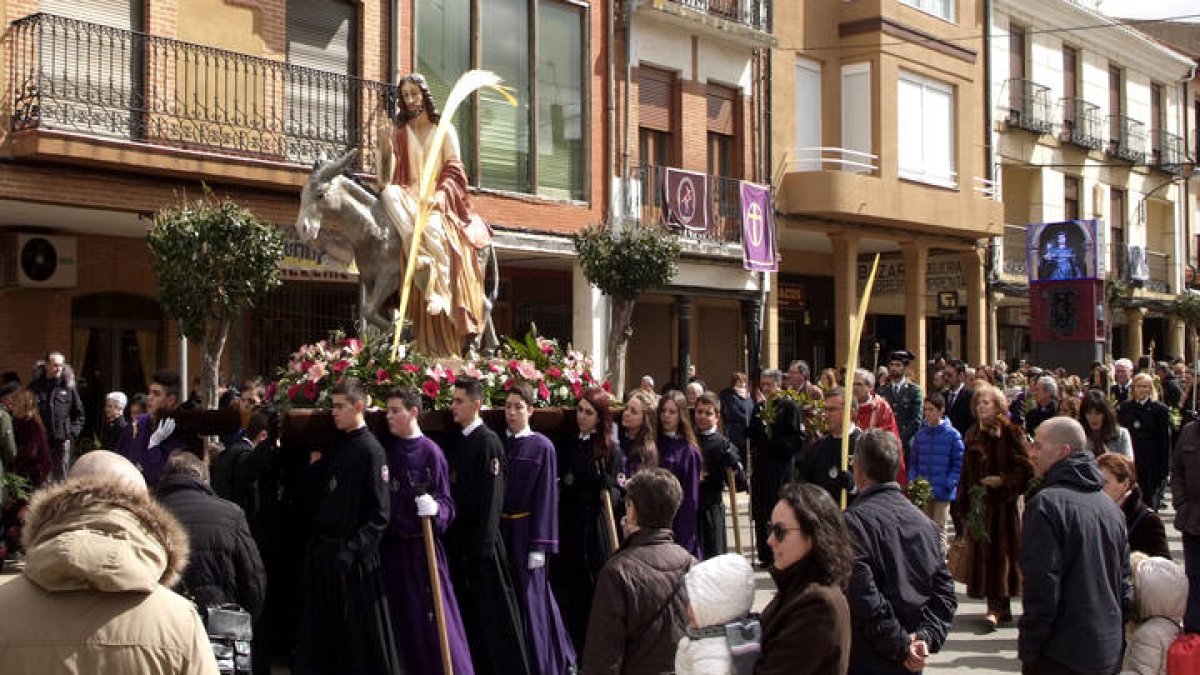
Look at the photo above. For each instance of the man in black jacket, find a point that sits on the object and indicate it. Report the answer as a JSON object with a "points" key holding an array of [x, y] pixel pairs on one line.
{"points": [[960, 399], [60, 407], [1075, 557], [901, 594], [777, 432], [224, 566]]}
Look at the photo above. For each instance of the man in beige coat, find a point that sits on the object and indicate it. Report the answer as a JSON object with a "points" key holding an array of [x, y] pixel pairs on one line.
{"points": [[94, 598]]}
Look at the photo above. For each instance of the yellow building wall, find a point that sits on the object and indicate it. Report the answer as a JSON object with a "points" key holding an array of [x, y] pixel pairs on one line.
{"points": [[215, 23]]}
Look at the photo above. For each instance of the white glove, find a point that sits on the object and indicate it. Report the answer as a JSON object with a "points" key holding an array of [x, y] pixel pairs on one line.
{"points": [[537, 559], [162, 433], [426, 506]]}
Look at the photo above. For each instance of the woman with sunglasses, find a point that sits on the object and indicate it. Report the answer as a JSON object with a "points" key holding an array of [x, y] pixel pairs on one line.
{"points": [[806, 627]]}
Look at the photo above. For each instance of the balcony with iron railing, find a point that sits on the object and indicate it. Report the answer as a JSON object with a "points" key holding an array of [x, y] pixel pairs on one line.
{"points": [[1167, 152], [1029, 106], [72, 82], [747, 20], [1014, 252], [1142, 268], [1127, 138], [724, 207], [1083, 125]]}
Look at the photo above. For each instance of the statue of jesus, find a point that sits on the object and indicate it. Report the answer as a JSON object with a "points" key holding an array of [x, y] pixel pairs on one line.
{"points": [[448, 282]]}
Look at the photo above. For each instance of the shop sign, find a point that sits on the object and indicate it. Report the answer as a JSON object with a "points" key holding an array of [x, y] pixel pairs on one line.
{"points": [[942, 273]]}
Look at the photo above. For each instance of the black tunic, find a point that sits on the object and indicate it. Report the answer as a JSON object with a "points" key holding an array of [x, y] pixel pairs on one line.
{"points": [[821, 464], [475, 551], [345, 626], [770, 462], [584, 543], [1149, 426], [719, 455]]}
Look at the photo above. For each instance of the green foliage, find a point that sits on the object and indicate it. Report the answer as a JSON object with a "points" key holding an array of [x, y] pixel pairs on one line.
{"points": [[919, 492], [977, 515], [15, 486], [1118, 294], [213, 259], [1187, 307], [628, 263]]}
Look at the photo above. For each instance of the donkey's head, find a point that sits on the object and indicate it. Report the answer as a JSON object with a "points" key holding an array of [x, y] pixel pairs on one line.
{"points": [[321, 195]]}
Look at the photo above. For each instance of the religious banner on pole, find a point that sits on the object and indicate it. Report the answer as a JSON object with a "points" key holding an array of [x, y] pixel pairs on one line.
{"points": [[685, 200], [758, 228]]}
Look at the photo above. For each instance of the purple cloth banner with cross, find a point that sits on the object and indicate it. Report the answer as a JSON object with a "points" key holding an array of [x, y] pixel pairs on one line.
{"points": [[758, 229], [685, 201]]}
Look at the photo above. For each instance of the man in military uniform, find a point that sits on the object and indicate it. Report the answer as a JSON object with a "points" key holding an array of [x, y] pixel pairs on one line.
{"points": [[905, 397]]}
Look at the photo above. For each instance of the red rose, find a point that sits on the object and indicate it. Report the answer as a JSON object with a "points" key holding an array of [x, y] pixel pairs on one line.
{"points": [[272, 389], [293, 391], [311, 391], [508, 384], [553, 372], [587, 376], [607, 387], [430, 388], [340, 365], [543, 392], [382, 376], [308, 363], [577, 388], [513, 365], [410, 368]]}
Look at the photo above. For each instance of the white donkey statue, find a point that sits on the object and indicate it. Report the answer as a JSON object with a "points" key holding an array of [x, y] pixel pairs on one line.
{"points": [[376, 243]]}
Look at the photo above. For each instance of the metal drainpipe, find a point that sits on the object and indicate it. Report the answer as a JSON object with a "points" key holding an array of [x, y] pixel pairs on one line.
{"points": [[626, 192], [610, 21], [993, 329]]}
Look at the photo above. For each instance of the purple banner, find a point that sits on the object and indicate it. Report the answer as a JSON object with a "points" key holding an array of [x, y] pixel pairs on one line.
{"points": [[758, 229], [685, 200]]}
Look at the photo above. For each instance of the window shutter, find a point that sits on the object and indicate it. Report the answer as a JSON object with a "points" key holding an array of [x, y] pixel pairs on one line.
{"points": [[655, 94], [808, 114], [321, 114], [123, 14], [856, 109], [721, 109]]}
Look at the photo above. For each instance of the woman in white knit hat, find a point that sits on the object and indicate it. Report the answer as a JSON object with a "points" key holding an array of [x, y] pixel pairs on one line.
{"points": [[720, 590]]}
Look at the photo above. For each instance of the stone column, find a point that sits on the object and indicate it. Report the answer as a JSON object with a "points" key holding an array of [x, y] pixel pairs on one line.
{"points": [[916, 260], [974, 282], [683, 304], [845, 294], [1133, 318], [1175, 329], [589, 320]]}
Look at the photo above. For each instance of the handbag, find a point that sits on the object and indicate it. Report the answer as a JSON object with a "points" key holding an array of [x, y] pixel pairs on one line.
{"points": [[230, 632], [1183, 657], [958, 558]]}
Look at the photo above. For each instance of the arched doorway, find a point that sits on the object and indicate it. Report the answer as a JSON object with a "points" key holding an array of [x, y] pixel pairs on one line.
{"points": [[116, 342]]}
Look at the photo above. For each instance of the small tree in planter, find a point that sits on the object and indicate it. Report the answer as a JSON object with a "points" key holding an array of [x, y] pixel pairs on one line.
{"points": [[214, 259], [623, 265]]}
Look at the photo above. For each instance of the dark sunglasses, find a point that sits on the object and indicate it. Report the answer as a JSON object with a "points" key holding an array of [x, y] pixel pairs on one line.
{"points": [[778, 530]]}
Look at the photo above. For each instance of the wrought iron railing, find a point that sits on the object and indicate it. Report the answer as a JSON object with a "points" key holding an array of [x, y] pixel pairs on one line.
{"points": [[1159, 265], [82, 77], [1029, 106], [1127, 138], [1015, 251], [752, 13], [724, 206], [1169, 153], [1082, 123]]}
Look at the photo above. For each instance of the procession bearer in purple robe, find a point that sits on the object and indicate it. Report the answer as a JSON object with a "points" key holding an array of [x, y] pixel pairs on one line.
{"points": [[679, 453], [420, 488], [529, 524]]}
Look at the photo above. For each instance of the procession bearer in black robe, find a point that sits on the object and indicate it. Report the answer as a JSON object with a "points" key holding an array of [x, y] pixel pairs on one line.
{"points": [[478, 562], [345, 626]]}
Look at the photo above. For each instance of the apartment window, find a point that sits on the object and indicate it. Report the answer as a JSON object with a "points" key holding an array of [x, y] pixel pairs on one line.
{"points": [[940, 8], [538, 146], [1071, 197], [808, 115], [1070, 72], [926, 117], [1116, 102], [1156, 117], [723, 116], [656, 115], [1116, 227], [1016, 52], [856, 111]]}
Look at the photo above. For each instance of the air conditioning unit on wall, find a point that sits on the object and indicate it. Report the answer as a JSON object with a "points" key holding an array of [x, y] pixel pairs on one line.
{"points": [[44, 261]]}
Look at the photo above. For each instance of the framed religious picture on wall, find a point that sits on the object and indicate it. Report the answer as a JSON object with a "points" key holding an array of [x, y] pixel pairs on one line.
{"points": [[1065, 251]]}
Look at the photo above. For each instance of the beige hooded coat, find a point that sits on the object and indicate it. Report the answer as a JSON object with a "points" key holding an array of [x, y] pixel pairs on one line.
{"points": [[93, 597]]}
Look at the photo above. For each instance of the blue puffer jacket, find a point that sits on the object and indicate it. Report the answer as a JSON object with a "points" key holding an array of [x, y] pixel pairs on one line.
{"points": [[936, 455]]}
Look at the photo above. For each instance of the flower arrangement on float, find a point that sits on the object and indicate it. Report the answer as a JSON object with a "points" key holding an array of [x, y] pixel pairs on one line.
{"points": [[558, 375]]}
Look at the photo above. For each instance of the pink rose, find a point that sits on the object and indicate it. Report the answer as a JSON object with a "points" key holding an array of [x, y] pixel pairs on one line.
{"points": [[340, 365], [410, 368], [527, 370], [450, 378], [543, 392], [577, 389], [546, 346], [353, 344], [552, 371], [470, 370], [316, 371]]}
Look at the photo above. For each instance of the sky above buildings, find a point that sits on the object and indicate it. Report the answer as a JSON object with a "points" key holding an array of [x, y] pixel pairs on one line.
{"points": [[1149, 9]]}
